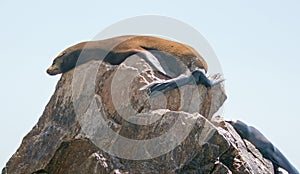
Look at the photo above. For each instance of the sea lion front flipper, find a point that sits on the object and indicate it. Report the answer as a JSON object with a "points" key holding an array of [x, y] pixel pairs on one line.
{"points": [[196, 77], [156, 88]]}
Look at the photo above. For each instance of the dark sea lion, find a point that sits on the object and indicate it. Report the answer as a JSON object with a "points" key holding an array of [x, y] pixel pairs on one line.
{"points": [[266, 148], [180, 62]]}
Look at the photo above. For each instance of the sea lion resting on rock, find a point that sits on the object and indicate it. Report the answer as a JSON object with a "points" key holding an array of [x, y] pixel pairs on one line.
{"points": [[180, 62], [266, 148]]}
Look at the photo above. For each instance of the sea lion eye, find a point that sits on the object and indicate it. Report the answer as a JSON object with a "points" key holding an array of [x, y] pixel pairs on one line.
{"points": [[54, 62]]}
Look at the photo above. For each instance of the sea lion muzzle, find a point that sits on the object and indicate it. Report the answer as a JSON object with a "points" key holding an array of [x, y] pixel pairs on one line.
{"points": [[53, 70]]}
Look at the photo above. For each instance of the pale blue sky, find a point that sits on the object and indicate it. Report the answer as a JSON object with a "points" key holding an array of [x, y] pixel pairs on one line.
{"points": [[257, 44]]}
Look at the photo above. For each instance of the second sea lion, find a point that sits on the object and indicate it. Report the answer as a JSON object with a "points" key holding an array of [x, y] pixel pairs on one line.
{"points": [[266, 148]]}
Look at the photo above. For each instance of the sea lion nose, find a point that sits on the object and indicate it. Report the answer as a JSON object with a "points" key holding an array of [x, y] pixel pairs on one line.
{"points": [[49, 71]]}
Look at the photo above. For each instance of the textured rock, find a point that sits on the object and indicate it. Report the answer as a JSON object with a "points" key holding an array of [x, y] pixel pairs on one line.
{"points": [[99, 121]]}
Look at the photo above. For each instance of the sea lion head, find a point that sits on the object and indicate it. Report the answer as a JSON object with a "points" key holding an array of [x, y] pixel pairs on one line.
{"points": [[241, 128], [66, 60]]}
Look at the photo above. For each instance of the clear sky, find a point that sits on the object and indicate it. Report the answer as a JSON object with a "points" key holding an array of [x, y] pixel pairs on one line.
{"points": [[257, 43]]}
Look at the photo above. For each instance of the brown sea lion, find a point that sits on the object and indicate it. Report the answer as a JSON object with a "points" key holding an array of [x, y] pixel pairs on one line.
{"points": [[180, 62]]}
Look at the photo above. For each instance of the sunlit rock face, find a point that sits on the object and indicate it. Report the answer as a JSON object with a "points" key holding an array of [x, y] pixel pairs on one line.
{"points": [[100, 121]]}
